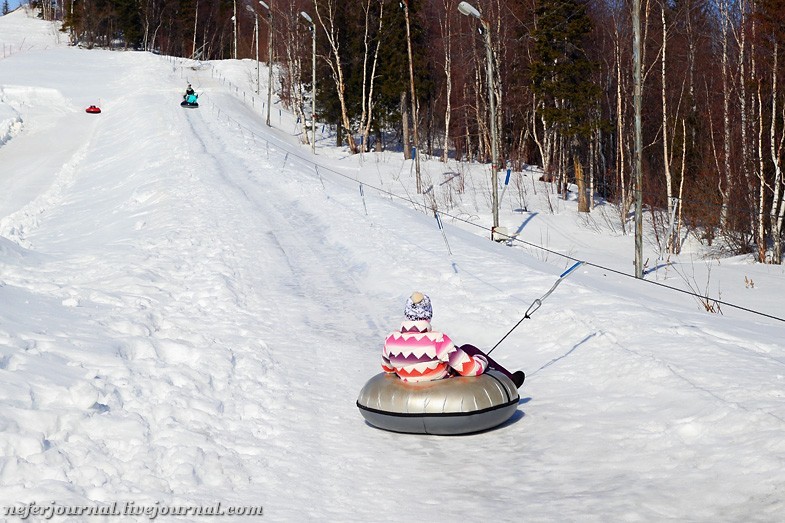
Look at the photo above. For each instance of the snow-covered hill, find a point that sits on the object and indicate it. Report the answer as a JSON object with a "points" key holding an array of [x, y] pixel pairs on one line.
{"points": [[190, 303]]}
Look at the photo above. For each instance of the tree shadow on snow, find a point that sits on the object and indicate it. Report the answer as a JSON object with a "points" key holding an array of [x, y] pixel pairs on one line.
{"points": [[566, 354], [525, 222]]}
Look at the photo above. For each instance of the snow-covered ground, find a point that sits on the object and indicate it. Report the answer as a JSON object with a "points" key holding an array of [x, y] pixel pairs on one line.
{"points": [[190, 303]]}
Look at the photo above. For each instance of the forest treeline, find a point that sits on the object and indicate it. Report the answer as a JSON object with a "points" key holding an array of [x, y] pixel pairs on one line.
{"points": [[713, 91]]}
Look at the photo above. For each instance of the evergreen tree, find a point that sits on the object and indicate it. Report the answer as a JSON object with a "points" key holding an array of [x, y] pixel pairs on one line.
{"points": [[349, 63], [129, 21], [562, 79], [6, 8], [393, 72], [561, 72], [393, 67]]}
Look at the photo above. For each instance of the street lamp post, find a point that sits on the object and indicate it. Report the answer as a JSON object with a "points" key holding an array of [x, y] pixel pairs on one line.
{"points": [[269, 59], [256, 41], [405, 4], [234, 23], [638, 162], [469, 10], [313, 80]]}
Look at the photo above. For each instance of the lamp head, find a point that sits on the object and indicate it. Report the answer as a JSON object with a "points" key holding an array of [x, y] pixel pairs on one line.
{"points": [[469, 10]]}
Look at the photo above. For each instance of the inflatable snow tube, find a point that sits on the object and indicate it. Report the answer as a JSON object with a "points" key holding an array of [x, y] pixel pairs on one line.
{"points": [[458, 405], [93, 110], [193, 105]]}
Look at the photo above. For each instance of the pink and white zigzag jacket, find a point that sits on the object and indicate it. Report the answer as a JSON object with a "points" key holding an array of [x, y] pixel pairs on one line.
{"points": [[416, 353]]}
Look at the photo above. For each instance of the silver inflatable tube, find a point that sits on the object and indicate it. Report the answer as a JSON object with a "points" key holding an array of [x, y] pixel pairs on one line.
{"points": [[458, 405]]}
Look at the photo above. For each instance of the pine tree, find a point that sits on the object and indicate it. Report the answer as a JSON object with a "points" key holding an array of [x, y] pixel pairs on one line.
{"points": [[562, 71], [6, 8], [129, 22], [394, 64], [394, 68], [561, 75]]}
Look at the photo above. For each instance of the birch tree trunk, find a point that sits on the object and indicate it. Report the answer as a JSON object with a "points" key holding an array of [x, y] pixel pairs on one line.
{"points": [[196, 19], [367, 113], [336, 67], [446, 30], [666, 158], [725, 177], [483, 138], [742, 42], [498, 89], [536, 136], [757, 108], [668, 138], [777, 203], [675, 246], [762, 247], [593, 146], [625, 200], [145, 33], [468, 136]]}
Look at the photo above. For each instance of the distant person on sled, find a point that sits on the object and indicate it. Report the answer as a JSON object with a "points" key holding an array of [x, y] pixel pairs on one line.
{"points": [[417, 353], [190, 96]]}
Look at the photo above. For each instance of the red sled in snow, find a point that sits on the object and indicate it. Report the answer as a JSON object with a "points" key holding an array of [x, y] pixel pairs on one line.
{"points": [[93, 110]]}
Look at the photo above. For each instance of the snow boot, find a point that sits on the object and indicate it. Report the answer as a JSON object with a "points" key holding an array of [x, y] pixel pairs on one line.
{"points": [[517, 378]]}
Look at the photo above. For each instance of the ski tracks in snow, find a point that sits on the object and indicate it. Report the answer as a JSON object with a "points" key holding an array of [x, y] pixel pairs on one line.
{"points": [[198, 375], [317, 290]]}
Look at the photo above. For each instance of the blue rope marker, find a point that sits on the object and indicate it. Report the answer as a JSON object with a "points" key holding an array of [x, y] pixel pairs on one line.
{"points": [[506, 180], [362, 193], [441, 228], [538, 302]]}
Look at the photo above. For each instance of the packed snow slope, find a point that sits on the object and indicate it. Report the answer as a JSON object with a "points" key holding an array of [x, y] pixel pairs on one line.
{"points": [[189, 308]]}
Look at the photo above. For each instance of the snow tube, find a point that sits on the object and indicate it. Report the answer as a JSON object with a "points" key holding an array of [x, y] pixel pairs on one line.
{"points": [[458, 405], [93, 110], [190, 101]]}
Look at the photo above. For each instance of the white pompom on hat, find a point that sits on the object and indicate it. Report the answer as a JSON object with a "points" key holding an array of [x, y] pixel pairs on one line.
{"points": [[418, 307]]}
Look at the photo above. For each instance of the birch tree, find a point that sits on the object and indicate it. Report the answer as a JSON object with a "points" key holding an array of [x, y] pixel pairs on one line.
{"points": [[725, 179], [445, 28], [776, 139], [373, 14]]}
